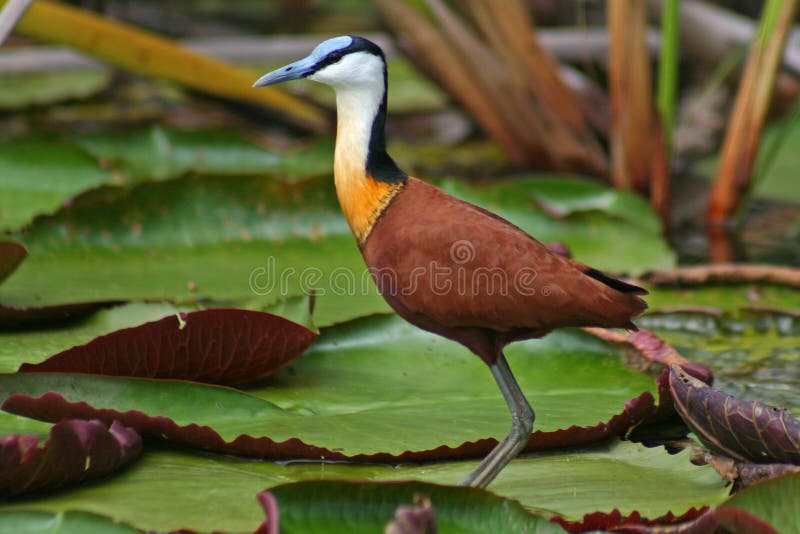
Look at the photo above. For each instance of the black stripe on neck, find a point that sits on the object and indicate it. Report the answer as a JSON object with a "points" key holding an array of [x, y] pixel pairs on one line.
{"points": [[380, 164]]}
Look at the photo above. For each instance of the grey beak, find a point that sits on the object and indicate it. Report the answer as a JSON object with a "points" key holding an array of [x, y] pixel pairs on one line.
{"points": [[292, 71]]}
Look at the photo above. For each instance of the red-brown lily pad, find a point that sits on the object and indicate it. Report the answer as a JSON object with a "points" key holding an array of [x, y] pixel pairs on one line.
{"points": [[615, 521], [745, 431], [357, 388], [11, 254], [224, 346], [76, 450]]}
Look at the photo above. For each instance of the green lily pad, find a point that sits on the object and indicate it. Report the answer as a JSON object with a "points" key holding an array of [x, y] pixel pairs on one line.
{"points": [[360, 383], [160, 153], [38, 176], [728, 298], [360, 507], [34, 522], [235, 238], [776, 502], [748, 361], [169, 489], [22, 90]]}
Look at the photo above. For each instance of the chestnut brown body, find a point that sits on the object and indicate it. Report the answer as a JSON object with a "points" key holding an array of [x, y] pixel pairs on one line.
{"points": [[460, 271]]}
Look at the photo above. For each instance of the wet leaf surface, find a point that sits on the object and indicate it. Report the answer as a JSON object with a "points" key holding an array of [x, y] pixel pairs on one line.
{"points": [[76, 450], [236, 238], [745, 431], [360, 507], [61, 523], [170, 489], [160, 153], [775, 502], [219, 346], [754, 357], [731, 299], [38, 176], [28, 89], [358, 381]]}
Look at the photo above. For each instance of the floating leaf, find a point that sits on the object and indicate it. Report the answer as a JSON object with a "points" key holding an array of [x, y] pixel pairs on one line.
{"points": [[358, 381], [11, 254], [61, 523], [168, 489], [219, 346], [38, 176], [615, 521], [160, 153], [745, 431], [233, 239], [75, 451], [361, 507], [20, 90], [773, 503]]}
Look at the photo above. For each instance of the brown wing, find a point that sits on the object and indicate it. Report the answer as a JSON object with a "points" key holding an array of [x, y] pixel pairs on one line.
{"points": [[461, 266]]}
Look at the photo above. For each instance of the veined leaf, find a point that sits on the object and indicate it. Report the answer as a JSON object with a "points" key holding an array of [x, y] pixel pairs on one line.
{"points": [[352, 391], [169, 490]]}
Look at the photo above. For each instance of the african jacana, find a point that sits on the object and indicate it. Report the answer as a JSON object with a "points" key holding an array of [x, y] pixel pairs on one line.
{"points": [[433, 256]]}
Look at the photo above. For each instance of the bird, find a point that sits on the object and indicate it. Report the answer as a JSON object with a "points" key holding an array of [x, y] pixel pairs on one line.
{"points": [[442, 264]]}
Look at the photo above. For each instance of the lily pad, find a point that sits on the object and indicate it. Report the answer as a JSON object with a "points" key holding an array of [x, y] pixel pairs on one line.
{"points": [[75, 451], [236, 238], [359, 507], [756, 359], [355, 387], [33, 522], [20, 90], [731, 299], [170, 490], [219, 346], [11, 254], [745, 431], [38, 176], [774, 502], [160, 153]]}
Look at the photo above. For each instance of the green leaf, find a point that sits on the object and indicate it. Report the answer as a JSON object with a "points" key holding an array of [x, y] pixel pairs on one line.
{"points": [[33, 522], [22, 90], [231, 238], [730, 298], [169, 489], [160, 153], [37, 176], [363, 381], [359, 507], [217, 237], [775, 501]]}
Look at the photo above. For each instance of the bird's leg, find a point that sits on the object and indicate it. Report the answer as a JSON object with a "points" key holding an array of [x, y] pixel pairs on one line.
{"points": [[522, 417]]}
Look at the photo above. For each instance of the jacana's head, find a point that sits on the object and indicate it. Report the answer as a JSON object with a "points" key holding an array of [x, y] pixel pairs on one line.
{"points": [[339, 62]]}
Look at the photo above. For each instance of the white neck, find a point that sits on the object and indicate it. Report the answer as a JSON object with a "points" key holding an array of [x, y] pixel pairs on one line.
{"points": [[357, 106]]}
